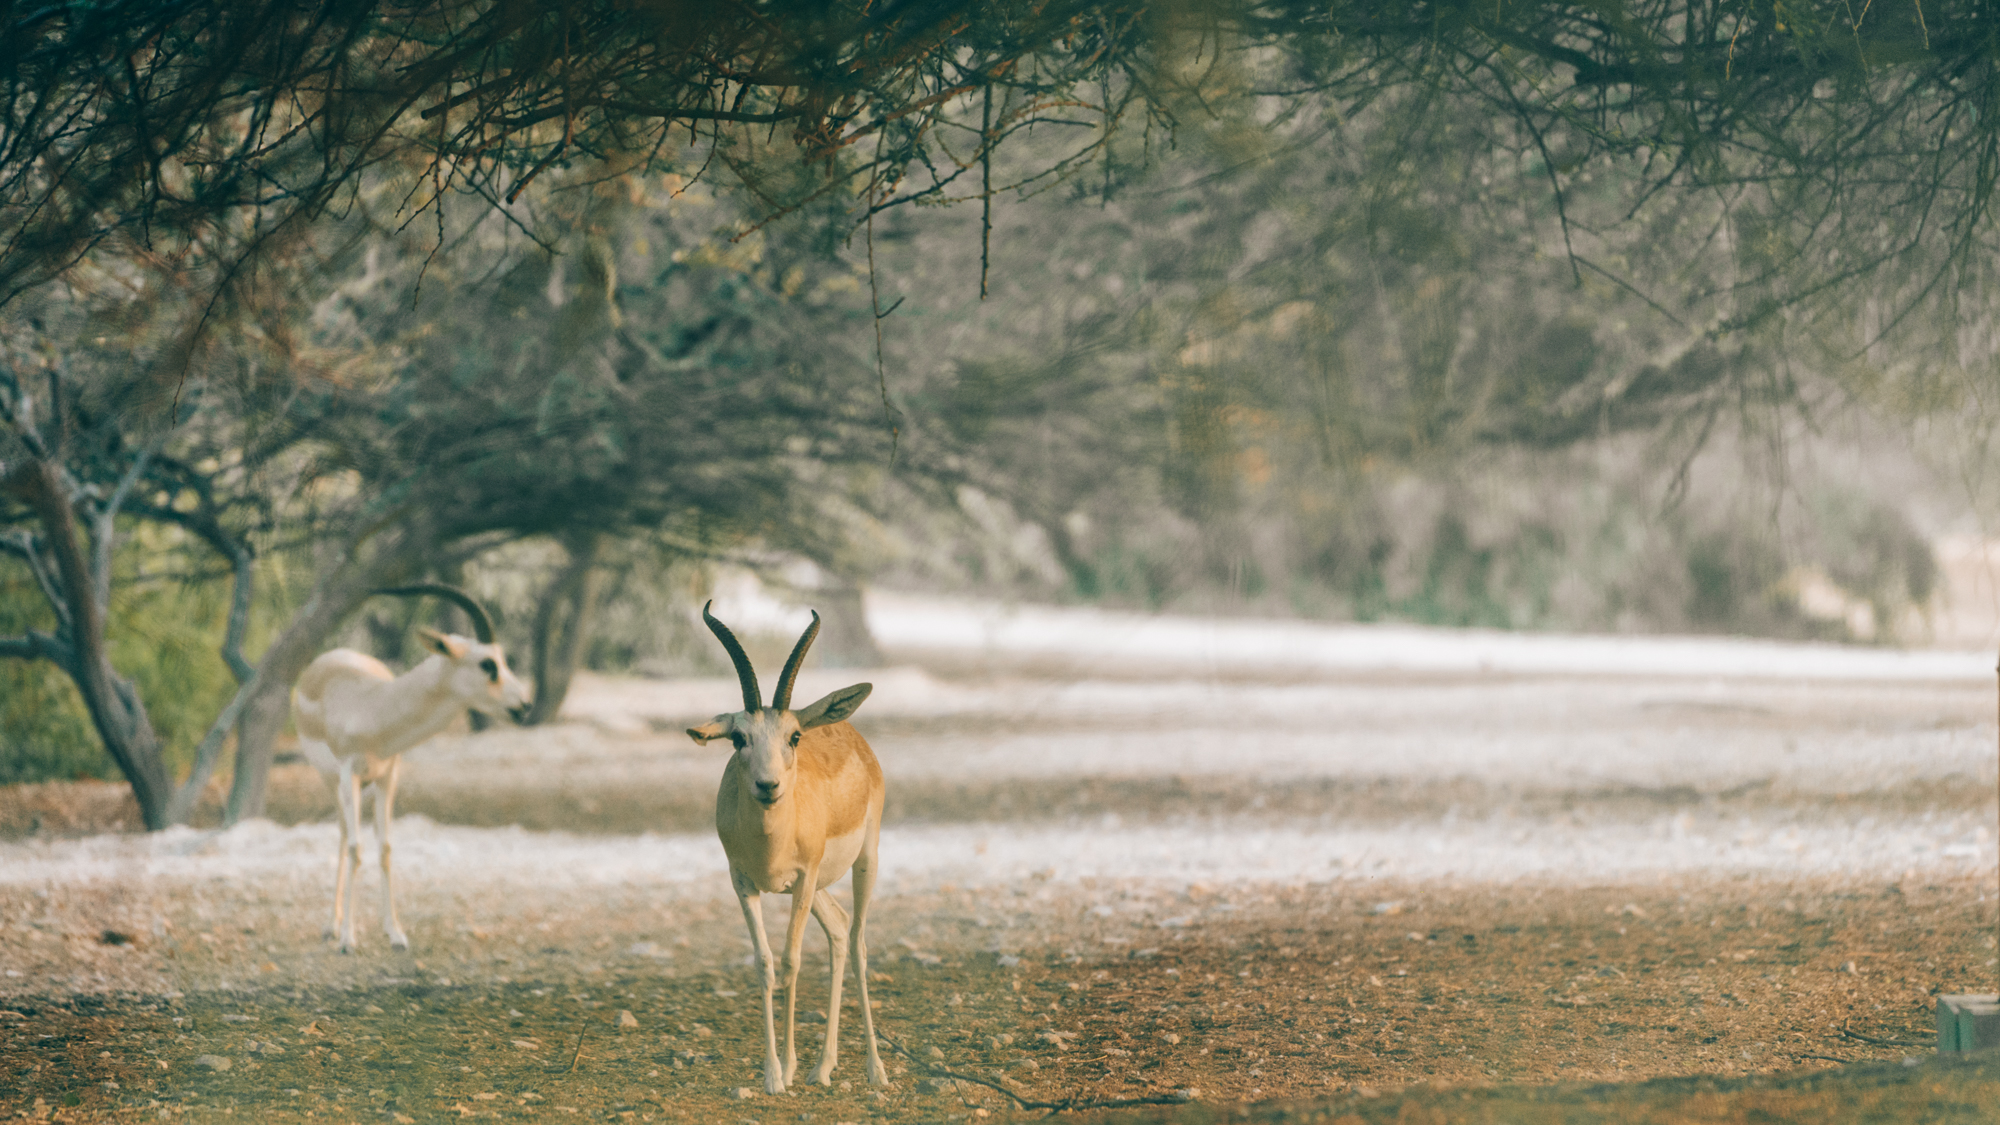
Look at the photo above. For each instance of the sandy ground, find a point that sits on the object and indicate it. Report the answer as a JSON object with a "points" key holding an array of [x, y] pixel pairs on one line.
{"points": [[1107, 877]]}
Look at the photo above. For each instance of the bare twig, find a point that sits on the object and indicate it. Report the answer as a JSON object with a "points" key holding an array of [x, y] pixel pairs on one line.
{"points": [[881, 367], [986, 186]]}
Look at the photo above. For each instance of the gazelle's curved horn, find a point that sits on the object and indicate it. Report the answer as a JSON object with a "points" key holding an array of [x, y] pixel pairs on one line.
{"points": [[482, 624], [782, 698], [745, 674]]}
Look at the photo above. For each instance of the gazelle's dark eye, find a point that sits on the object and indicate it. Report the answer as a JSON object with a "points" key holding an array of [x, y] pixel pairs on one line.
{"points": [[795, 738], [491, 669], [736, 739]]}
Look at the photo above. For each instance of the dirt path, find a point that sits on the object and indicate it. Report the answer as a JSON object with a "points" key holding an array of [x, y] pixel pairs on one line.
{"points": [[1293, 994], [1389, 896]]}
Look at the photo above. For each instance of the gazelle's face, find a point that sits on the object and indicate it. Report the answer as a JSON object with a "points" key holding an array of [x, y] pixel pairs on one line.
{"points": [[767, 740], [767, 749], [479, 675]]}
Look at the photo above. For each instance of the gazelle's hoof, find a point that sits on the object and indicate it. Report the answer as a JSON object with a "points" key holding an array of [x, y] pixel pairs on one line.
{"points": [[878, 1075], [823, 1074], [399, 941]]}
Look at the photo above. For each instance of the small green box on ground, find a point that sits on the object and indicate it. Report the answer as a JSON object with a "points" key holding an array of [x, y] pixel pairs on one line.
{"points": [[1968, 1023]]}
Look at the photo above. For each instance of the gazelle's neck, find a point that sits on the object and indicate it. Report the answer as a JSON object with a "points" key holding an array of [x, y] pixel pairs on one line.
{"points": [[416, 705], [774, 820], [765, 840]]}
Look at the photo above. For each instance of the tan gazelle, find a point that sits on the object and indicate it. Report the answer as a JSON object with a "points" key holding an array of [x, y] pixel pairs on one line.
{"points": [[800, 804]]}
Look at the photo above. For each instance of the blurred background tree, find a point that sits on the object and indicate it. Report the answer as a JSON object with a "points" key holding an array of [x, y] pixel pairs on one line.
{"points": [[1364, 310], [1449, 400]]}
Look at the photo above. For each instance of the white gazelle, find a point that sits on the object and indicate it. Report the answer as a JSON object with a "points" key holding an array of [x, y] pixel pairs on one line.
{"points": [[355, 718], [800, 804]]}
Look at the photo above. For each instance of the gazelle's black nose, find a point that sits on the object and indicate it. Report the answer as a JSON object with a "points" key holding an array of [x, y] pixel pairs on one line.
{"points": [[767, 791]]}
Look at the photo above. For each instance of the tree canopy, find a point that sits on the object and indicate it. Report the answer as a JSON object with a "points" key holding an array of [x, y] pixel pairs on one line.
{"points": [[297, 172], [148, 124]]}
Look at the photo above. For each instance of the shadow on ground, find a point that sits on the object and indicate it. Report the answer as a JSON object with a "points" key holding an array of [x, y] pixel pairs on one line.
{"points": [[1938, 1091], [1323, 1003]]}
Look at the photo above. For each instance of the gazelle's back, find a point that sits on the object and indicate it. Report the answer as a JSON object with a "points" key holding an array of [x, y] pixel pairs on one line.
{"points": [[322, 678], [847, 780]]}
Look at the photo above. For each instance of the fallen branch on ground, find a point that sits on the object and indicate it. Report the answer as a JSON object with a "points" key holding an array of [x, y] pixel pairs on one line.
{"points": [[1852, 1034], [1067, 1104]]}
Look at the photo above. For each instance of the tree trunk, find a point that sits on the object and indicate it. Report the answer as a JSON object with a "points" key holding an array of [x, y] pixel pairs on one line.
{"points": [[845, 641], [114, 704], [121, 720], [1082, 576], [562, 625], [256, 733]]}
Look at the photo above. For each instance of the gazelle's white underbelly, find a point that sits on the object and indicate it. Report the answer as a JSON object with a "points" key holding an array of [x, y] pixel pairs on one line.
{"points": [[839, 856]]}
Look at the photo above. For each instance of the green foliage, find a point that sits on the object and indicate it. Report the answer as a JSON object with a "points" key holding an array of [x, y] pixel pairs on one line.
{"points": [[45, 732], [162, 633], [165, 634]]}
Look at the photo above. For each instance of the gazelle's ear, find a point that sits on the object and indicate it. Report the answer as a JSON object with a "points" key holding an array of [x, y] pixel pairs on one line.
{"points": [[715, 728], [443, 643], [834, 706]]}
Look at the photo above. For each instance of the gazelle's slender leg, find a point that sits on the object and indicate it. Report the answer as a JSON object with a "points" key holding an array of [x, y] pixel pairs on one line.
{"points": [[804, 893], [385, 800], [864, 887], [753, 914], [833, 920], [346, 879], [340, 794]]}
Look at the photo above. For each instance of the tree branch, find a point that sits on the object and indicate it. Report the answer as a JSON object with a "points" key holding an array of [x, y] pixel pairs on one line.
{"points": [[104, 527], [38, 645], [181, 805], [204, 523], [22, 544], [21, 415]]}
